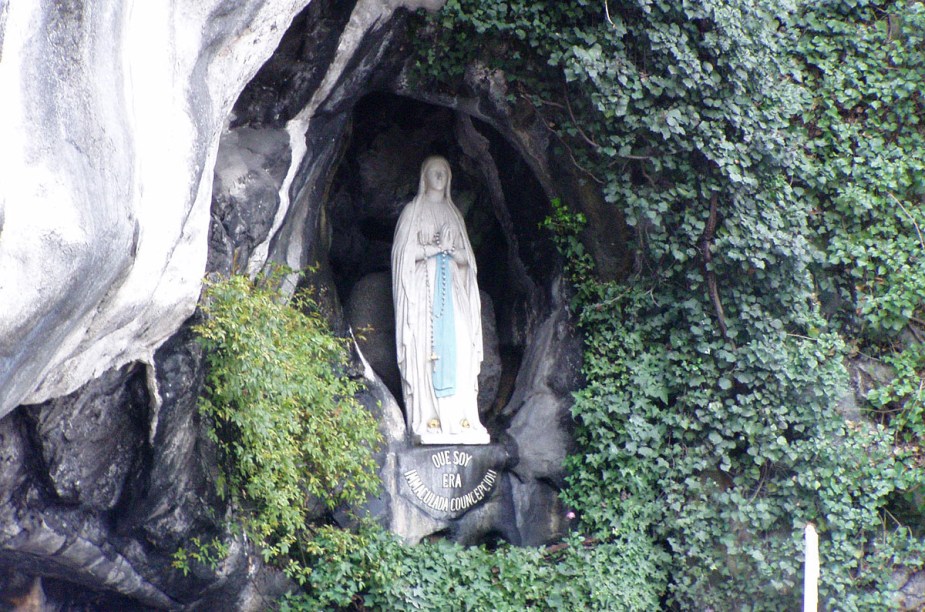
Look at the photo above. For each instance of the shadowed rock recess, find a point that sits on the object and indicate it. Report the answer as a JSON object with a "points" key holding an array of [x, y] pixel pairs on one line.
{"points": [[309, 160]]}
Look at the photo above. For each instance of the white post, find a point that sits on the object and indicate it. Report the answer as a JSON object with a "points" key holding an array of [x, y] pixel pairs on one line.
{"points": [[811, 570]]}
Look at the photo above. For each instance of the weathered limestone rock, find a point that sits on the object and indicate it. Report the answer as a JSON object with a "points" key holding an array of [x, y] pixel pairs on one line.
{"points": [[541, 423], [490, 374], [864, 375], [173, 495], [910, 589], [113, 163], [104, 214], [541, 427], [41, 537], [249, 171], [111, 529], [371, 315], [112, 116]]}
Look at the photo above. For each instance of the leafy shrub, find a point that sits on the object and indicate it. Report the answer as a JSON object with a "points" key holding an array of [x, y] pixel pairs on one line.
{"points": [[293, 435], [902, 400], [862, 63], [285, 416], [208, 554], [373, 570]]}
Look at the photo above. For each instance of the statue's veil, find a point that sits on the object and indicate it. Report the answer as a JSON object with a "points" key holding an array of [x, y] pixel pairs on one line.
{"points": [[422, 183]]}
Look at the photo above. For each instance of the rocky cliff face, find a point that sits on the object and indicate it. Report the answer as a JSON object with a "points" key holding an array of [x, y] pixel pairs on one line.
{"points": [[112, 121], [145, 146]]}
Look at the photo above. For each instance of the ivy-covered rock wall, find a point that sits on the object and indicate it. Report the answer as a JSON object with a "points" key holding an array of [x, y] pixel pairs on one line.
{"points": [[753, 151]]}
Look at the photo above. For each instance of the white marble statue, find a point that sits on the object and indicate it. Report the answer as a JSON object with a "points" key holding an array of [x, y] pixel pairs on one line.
{"points": [[438, 326]]}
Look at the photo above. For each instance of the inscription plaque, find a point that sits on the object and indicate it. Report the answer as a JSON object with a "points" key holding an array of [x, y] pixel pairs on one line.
{"points": [[447, 482]]}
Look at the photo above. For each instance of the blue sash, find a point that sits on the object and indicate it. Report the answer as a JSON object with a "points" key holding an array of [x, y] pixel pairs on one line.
{"points": [[444, 329]]}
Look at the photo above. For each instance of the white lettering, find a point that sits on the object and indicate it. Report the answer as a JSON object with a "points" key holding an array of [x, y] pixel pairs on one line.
{"points": [[477, 494], [450, 480], [428, 497], [441, 458]]}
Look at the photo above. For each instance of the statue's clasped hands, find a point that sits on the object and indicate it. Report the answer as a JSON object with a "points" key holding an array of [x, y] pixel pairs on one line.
{"points": [[443, 241]]}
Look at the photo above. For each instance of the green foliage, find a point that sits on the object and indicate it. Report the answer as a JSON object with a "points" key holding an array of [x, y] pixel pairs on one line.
{"points": [[565, 227], [373, 570], [725, 456], [864, 65], [285, 416], [902, 401], [708, 418], [208, 554]]}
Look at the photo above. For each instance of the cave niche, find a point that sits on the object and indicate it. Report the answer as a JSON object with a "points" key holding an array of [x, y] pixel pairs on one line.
{"points": [[313, 172], [500, 199]]}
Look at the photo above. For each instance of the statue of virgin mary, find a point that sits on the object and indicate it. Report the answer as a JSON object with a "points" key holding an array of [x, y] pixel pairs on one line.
{"points": [[438, 325]]}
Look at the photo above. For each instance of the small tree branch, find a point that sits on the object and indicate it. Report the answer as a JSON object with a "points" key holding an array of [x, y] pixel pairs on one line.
{"points": [[918, 230], [607, 14], [914, 330], [571, 153], [705, 242], [568, 105], [556, 548]]}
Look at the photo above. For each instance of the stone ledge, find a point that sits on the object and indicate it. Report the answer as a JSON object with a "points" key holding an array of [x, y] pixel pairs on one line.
{"points": [[468, 438]]}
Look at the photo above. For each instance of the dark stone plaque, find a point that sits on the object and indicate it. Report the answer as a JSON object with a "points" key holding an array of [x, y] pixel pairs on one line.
{"points": [[447, 481]]}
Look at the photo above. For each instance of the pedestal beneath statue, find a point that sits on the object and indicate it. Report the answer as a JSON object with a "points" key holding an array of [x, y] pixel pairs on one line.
{"points": [[471, 437]]}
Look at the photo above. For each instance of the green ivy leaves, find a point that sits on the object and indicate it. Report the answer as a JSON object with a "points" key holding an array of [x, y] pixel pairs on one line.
{"points": [[373, 568], [769, 157], [864, 66]]}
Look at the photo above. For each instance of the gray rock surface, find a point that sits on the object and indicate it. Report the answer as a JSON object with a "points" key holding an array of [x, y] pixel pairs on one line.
{"points": [[864, 374], [39, 535], [249, 171], [89, 442], [111, 122], [371, 314], [539, 516], [173, 495], [111, 530], [541, 426], [490, 374], [910, 589]]}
